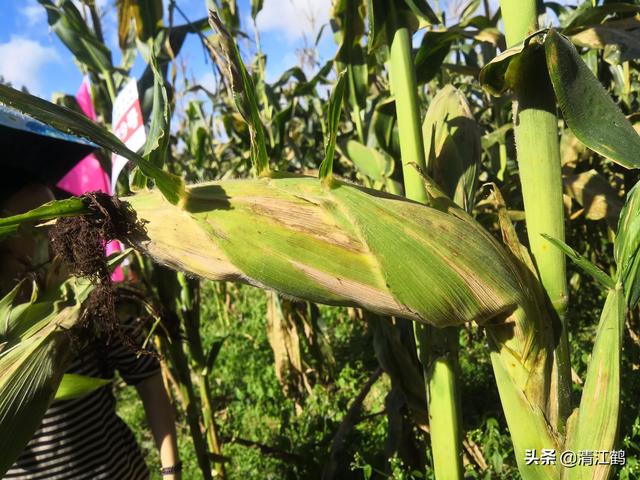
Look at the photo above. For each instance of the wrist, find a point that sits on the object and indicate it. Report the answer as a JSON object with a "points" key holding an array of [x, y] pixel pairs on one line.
{"points": [[172, 470]]}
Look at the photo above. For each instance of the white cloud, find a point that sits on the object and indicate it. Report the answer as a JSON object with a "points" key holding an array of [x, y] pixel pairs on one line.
{"points": [[294, 18], [22, 61], [34, 13]]}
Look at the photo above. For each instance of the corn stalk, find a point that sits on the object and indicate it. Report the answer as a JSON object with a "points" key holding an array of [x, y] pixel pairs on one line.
{"points": [[538, 147], [437, 349]]}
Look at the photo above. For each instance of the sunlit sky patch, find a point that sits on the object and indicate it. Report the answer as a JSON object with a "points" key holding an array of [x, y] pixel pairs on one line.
{"points": [[32, 56]]}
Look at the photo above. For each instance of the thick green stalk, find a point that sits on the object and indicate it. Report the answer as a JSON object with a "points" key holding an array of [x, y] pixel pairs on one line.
{"points": [[356, 114], [438, 350], [437, 359], [520, 19], [404, 89], [536, 130]]}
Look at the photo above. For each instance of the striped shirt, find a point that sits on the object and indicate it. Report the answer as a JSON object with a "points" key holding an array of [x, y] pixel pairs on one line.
{"points": [[84, 438]]}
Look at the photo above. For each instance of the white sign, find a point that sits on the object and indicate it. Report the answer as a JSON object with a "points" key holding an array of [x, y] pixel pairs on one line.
{"points": [[128, 126]]}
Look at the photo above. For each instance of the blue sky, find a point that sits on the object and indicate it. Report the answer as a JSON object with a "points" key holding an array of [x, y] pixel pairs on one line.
{"points": [[31, 55]]}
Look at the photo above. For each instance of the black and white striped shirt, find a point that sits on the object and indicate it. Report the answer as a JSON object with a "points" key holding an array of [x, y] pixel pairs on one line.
{"points": [[84, 438]]}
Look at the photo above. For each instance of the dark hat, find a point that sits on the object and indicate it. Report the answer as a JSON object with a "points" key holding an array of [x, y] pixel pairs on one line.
{"points": [[31, 151]]}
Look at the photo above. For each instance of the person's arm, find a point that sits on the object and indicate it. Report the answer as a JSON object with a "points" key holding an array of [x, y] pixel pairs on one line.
{"points": [[161, 420]]}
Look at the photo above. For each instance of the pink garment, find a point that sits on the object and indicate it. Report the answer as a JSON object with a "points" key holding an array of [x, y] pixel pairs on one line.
{"points": [[88, 175]]}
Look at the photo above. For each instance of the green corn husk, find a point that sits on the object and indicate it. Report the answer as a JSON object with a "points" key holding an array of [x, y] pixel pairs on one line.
{"points": [[345, 245], [335, 243], [339, 245], [594, 426], [452, 145], [34, 353]]}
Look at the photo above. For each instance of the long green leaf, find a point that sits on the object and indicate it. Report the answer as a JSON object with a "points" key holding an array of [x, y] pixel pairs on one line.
{"points": [[333, 121], [434, 48], [49, 211], [594, 426], [602, 278], [155, 148], [376, 165], [627, 247], [75, 386], [244, 93], [386, 16], [67, 22], [158, 137], [586, 106], [256, 6], [349, 16], [587, 15]]}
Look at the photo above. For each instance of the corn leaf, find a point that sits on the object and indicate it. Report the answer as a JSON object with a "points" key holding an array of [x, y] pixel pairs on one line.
{"points": [[594, 426], [155, 148], [334, 110], [627, 247], [6, 307], [49, 211], [383, 123], [158, 137], [434, 48], [376, 165], [586, 106], [585, 265], [624, 34], [67, 22], [386, 16], [244, 93], [587, 15], [493, 76], [214, 351], [350, 17], [423, 11], [256, 6], [74, 386]]}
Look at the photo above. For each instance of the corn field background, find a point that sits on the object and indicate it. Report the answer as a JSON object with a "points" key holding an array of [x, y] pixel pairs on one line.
{"points": [[359, 270]]}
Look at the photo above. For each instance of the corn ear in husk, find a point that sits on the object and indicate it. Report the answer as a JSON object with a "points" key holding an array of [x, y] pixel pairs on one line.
{"points": [[452, 145], [340, 245], [345, 245], [594, 426]]}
